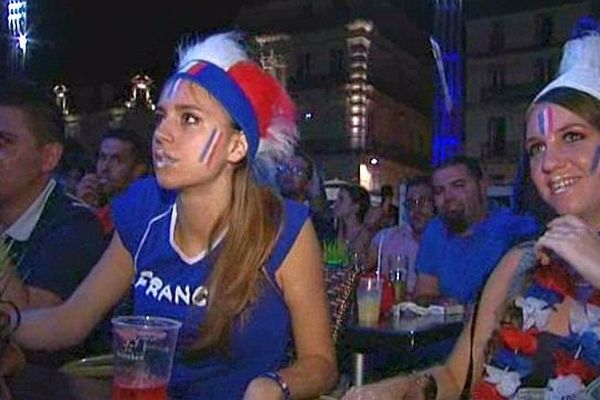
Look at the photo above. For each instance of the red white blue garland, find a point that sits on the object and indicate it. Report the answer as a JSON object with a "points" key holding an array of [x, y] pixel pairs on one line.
{"points": [[576, 361]]}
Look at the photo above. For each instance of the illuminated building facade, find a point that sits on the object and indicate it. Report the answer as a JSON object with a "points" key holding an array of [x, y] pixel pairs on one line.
{"points": [[511, 54], [17, 29], [361, 73]]}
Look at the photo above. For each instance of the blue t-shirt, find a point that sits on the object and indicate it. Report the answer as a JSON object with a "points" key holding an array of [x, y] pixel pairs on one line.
{"points": [[169, 284], [462, 263]]}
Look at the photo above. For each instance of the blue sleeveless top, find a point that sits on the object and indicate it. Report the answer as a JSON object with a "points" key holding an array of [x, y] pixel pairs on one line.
{"points": [[169, 284]]}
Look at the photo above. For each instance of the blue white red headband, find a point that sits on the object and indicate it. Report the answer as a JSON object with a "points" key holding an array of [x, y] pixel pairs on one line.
{"points": [[253, 98], [220, 85]]}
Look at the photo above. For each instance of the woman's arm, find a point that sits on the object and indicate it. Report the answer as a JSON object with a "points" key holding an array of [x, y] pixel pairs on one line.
{"points": [[302, 280], [69, 323], [451, 377]]}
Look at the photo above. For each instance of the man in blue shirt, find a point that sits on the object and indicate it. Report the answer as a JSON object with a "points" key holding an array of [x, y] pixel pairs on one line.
{"points": [[54, 239], [463, 244]]}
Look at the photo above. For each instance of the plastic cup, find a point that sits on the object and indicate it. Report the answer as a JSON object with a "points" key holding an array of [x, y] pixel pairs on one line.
{"points": [[368, 298], [144, 348]]}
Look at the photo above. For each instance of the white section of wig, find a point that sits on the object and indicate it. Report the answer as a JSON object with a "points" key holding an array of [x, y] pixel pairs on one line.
{"points": [[221, 49], [579, 67], [279, 143], [281, 138], [583, 52]]}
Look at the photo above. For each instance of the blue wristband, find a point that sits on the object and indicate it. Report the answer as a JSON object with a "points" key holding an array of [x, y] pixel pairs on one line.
{"points": [[279, 380]]}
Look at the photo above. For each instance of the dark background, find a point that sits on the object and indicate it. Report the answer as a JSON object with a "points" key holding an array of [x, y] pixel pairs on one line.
{"points": [[83, 42], [89, 42]]}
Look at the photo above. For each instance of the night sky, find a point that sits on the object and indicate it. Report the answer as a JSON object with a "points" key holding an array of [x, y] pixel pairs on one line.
{"points": [[88, 42], [83, 42]]}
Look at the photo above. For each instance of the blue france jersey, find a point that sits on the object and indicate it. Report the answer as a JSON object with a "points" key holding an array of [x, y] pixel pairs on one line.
{"points": [[169, 284]]}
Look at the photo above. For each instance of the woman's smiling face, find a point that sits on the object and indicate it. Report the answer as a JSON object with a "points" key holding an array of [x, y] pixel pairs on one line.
{"points": [[564, 151]]}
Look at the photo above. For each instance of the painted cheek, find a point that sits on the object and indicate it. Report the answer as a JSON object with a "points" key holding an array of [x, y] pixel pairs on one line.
{"points": [[545, 121], [595, 160], [209, 148]]}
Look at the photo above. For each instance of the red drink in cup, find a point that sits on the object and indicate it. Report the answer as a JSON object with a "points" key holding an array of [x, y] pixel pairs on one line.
{"points": [[144, 393], [144, 348], [124, 390]]}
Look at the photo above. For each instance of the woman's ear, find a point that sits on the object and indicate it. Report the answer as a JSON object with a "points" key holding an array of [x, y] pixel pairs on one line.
{"points": [[238, 148]]}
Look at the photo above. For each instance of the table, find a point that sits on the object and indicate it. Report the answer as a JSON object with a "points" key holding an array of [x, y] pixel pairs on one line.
{"points": [[400, 333], [39, 383]]}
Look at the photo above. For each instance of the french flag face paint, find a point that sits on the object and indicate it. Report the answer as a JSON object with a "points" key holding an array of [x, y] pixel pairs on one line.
{"points": [[192, 68], [595, 160], [545, 121], [210, 146]]}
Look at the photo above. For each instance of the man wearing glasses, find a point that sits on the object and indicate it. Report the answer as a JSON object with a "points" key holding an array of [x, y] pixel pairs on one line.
{"points": [[401, 243]]}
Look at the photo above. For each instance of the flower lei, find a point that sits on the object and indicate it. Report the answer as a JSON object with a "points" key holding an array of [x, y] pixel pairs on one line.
{"points": [[577, 360]]}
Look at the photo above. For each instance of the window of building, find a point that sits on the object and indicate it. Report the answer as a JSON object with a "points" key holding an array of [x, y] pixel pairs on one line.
{"points": [[336, 61], [308, 9], [541, 73], [275, 64], [544, 69], [303, 62], [544, 25], [496, 41], [496, 145], [495, 78]]}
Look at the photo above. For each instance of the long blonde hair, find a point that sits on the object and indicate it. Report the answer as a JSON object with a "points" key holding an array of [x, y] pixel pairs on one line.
{"points": [[254, 219]]}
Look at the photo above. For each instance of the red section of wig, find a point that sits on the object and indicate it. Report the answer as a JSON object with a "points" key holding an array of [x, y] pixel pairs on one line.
{"points": [[267, 96]]}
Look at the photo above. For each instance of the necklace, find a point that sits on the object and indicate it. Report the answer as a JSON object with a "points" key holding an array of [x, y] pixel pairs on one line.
{"points": [[576, 361], [352, 236]]}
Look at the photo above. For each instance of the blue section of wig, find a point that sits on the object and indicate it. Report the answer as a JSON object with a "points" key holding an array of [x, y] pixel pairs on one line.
{"points": [[585, 26]]}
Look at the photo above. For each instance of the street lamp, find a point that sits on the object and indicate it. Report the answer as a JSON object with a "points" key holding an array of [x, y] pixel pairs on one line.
{"points": [[16, 19]]}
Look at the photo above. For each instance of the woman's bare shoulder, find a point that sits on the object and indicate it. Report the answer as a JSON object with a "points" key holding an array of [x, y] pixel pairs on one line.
{"points": [[505, 270], [511, 259]]}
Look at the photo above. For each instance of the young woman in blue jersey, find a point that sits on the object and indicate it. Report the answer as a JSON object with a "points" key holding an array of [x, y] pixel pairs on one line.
{"points": [[205, 243]]}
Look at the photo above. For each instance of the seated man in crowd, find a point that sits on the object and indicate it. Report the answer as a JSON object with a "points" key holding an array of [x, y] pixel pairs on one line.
{"points": [[298, 180], [53, 239], [461, 246], [403, 240], [122, 158]]}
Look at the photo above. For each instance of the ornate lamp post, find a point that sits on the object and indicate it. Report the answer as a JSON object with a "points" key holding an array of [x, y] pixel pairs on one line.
{"points": [[60, 92], [16, 19], [140, 92]]}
